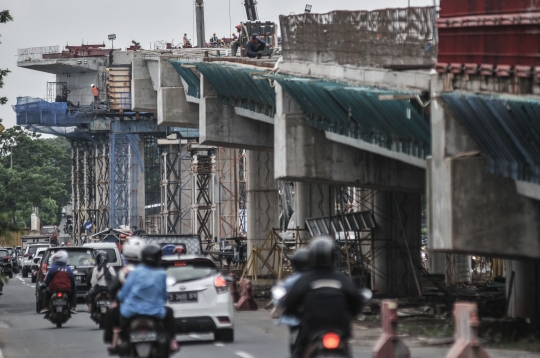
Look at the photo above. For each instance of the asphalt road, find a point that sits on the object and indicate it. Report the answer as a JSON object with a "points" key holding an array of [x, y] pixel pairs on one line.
{"points": [[24, 333]]}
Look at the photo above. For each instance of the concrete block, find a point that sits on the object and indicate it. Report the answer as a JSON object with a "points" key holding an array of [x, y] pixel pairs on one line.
{"points": [[219, 125], [304, 153], [174, 110], [143, 96]]}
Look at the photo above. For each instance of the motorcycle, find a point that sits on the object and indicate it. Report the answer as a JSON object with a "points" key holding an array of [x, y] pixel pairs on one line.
{"points": [[100, 306], [144, 338], [323, 343], [58, 309]]}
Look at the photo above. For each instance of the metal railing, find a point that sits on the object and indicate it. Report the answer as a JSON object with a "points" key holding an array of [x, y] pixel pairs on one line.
{"points": [[35, 53]]}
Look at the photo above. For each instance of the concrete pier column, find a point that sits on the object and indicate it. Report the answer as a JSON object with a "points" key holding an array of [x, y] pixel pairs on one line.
{"points": [[262, 200], [312, 201], [396, 244], [525, 297]]}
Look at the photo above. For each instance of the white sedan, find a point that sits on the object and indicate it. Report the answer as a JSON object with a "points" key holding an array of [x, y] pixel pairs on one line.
{"points": [[199, 296]]}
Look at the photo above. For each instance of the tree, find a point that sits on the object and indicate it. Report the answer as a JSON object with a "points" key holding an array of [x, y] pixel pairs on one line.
{"points": [[4, 17], [33, 172]]}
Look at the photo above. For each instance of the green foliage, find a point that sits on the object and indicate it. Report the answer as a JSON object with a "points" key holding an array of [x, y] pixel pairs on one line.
{"points": [[40, 175], [4, 17]]}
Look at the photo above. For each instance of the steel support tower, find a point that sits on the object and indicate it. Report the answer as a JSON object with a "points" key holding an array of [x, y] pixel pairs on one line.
{"points": [[124, 164], [203, 206]]}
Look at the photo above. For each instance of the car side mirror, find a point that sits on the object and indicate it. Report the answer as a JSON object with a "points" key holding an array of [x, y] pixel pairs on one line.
{"points": [[36, 260]]}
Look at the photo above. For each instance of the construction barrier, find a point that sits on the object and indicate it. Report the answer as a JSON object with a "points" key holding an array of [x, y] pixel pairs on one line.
{"points": [[246, 302], [389, 345], [466, 338]]}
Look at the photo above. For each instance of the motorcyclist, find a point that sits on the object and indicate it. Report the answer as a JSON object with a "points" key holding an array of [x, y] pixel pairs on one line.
{"points": [[132, 253], [323, 299], [102, 276], [145, 293], [300, 263], [59, 279]]}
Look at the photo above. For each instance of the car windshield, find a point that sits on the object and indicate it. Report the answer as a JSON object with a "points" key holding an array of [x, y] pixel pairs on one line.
{"points": [[32, 249], [47, 230], [77, 257], [111, 254], [10, 251], [3, 253], [189, 270]]}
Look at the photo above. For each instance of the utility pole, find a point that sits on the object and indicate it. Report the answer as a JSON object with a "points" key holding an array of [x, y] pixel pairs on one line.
{"points": [[199, 13]]}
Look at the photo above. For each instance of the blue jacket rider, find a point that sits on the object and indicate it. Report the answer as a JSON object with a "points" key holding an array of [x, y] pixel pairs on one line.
{"points": [[144, 292]]}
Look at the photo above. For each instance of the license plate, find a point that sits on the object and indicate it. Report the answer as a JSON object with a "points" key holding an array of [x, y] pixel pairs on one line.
{"points": [[142, 337], [183, 297], [59, 302], [102, 303]]}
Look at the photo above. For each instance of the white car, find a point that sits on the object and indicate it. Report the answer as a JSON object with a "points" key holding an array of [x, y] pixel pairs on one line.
{"points": [[29, 254], [199, 297], [115, 260]]}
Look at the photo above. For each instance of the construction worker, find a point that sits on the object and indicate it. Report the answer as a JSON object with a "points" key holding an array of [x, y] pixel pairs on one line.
{"points": [[255, 46], [214, 40], [186, 40], [236, 40], [95, 92]]}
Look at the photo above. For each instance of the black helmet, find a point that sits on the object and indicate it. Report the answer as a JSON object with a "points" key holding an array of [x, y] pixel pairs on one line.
{"points": [[300, 260], [151, 255], [254, 36], [102, 258], [321, 251]]}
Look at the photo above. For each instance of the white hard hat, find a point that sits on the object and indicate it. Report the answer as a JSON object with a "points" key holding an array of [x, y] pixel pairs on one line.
{"points": [[132, 249], [60, 256], [92, 85]]}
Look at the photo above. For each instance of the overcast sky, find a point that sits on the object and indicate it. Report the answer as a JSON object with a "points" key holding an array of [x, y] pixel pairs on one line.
{"points": [[59, 22]]}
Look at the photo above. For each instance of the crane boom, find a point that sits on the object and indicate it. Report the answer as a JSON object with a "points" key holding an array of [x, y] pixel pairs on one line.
{"points": [[251, 10]]}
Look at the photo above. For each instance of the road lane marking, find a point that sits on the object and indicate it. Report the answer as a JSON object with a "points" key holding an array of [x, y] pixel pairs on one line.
{"points": [[1, 355], [243, 354], [33, 286], [219, 344]]}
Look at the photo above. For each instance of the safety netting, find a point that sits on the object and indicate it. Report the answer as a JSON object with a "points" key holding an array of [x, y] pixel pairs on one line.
{"points": [[193, 82], [381, 38], [507, 130], [74, 133], [373, 115], [37, 111]]}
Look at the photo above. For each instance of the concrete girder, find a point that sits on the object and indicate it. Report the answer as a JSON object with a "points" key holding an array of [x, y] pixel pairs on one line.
{"points": [[219, 125], [472, 211], [303, 153]]}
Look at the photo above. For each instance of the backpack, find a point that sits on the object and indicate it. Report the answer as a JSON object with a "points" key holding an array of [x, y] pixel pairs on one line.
{"points": [[61, 280]]}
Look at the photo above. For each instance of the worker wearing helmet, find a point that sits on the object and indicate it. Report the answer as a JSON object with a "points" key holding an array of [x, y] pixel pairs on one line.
{"points": [[59, 279], [102, 276], [214, 40], [323, 299], [95, 92], [131, 252], [255, 46], [145, 293]]}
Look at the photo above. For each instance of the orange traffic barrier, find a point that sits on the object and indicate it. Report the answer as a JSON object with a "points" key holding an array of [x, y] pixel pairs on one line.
{"points": [[389, 345], [246, 302], [466, 344]]}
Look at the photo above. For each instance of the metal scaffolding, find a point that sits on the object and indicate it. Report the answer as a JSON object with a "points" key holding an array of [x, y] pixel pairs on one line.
{"points": [[175, 163], [124, 164], [152, 186], [102, 184], [232, 192], [203, 206]]}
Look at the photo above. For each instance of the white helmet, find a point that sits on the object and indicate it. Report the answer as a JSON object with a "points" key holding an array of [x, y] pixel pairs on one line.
{"points": [[60, 256], [132, 249], [92, 85]]}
